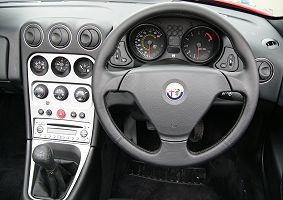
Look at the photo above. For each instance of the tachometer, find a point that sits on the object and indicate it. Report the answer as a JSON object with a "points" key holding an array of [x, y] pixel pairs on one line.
{"points": [[147, 42], [200, 44]]}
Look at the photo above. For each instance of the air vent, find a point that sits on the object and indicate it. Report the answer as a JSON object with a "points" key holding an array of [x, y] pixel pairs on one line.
{"points": [[270, 43], [33, 35], [60, 36], [89, 37], [265, 69]]}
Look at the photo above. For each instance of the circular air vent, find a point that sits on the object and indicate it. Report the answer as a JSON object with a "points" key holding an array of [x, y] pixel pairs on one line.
{"points": [[60, 36], [33, 35], [89, 37], [265, 69]]}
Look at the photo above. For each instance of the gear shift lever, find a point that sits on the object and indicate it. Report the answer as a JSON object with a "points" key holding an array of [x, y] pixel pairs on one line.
{"points": [[43, 156]]}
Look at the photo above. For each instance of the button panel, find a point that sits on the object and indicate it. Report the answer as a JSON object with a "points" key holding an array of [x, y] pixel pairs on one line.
{"points": [[62, 130], [228, 61], [66, 99], [121, 57], [75, 106]]}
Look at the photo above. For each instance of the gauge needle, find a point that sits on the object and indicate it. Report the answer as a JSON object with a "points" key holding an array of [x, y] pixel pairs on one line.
{"points": [[199, 48], [149, 50], [149, 43], [198, 53]]}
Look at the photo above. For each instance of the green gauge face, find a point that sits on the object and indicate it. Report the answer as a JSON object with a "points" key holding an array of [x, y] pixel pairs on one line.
{"points": [[147, 42]]}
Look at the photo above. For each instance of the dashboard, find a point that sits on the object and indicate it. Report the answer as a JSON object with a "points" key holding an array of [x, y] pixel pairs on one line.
{"points": [[57, 51], [60, 59], [51, 51], [60, 83]]}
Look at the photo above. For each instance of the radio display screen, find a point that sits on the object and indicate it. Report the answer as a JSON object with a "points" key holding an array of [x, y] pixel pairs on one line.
{"points": [[61, 131]]}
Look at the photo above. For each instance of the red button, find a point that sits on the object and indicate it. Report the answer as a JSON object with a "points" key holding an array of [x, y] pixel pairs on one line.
{"points": [[61, 114]]}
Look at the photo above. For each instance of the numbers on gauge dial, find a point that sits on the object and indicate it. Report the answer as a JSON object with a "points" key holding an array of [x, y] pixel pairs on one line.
{"points": [[148, 42]]}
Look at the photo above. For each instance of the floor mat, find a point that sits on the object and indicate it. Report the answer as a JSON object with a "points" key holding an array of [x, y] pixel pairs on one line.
{"points": [[178, 175], [228, 177], [144, 189]]}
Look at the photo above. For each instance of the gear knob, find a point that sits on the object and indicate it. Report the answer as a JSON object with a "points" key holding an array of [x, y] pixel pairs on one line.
{"points": [[43, 156]]}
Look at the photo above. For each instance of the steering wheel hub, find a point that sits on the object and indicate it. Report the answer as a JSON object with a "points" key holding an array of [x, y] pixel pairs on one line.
{"points": [[175, 91]]}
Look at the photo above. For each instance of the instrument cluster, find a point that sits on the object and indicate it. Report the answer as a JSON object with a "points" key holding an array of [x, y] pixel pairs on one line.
{"points": [[186, 39]]}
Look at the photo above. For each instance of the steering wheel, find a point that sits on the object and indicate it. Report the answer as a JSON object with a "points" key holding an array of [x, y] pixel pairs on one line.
{"points": [[175, 118]]}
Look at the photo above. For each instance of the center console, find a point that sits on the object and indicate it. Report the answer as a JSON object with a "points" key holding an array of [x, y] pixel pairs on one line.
{"points": [[58, 60], [61, 97], [61, 112]]}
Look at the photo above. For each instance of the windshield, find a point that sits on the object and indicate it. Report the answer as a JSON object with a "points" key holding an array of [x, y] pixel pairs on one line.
{"points": [[265, 7]]}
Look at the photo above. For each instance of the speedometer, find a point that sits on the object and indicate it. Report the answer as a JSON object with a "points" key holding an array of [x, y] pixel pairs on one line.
{"points": [[200, 44], [147, 42]]}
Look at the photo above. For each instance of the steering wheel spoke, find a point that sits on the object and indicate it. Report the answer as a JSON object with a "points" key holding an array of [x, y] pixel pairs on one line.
{"points": [[238, 81], [109, 81], [174, 152]]}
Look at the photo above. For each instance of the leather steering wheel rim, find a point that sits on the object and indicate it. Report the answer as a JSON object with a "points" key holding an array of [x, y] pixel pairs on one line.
{"points": [[172, 152]]}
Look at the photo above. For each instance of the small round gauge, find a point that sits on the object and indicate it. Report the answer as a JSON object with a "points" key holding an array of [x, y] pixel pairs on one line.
{"points": [[147, 42], [39, 65], [83, 67], [200, 44], [61, 66]]}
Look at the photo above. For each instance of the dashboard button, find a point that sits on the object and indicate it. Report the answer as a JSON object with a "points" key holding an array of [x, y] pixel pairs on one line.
{"points": [[82, 115], [40, 111], [39, 129], [73, 114], [61, 113], [61, 93], [49, 112], [231, 61], [84, 133], [81, 94], [228, 61], [40, 91], [121, 57]]}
